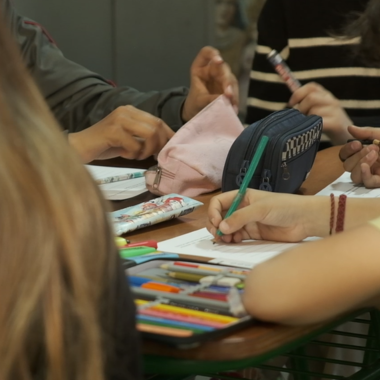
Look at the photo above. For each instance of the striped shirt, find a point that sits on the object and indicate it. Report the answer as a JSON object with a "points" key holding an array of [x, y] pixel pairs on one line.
{"points": [[302, 30]]}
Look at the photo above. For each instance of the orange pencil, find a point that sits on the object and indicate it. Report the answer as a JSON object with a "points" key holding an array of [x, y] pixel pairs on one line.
{"points": [[163, 330]]}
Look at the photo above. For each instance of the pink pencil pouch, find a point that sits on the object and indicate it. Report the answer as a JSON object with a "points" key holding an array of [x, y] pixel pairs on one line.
{"points": [[192, 162]]}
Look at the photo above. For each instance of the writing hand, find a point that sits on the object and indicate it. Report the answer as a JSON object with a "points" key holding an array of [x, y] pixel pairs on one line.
{"points": [[362, 162], [269, 216], [126, 132], [210, 77], [313, 99]]}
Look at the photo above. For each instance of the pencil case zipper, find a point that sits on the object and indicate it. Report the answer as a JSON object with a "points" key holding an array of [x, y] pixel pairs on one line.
{"points": [[287, 156], [160, 172], [258, 132]]}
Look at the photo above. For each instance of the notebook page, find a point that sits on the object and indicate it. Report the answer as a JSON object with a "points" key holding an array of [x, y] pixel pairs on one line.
{"points": [[344, 185], [246, 254]]}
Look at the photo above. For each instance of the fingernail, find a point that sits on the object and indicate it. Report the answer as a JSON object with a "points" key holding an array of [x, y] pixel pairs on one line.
{"points": [[229, 89], [218, 58], [371, 154], [355, 145]]}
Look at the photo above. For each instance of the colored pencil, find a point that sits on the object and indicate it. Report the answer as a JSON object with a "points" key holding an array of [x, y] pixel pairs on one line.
{"points": [[222, 281], [210, 295], [181, 317], [191, 265], [118, 178], [152, 294], [164, 330], [247, 179], [172, 323], [162, 324], [186, 276], [199, 271], [186, 311]]}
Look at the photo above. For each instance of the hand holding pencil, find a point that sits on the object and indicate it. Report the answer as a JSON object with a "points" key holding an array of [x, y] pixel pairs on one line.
{"points": [[264, 216]]}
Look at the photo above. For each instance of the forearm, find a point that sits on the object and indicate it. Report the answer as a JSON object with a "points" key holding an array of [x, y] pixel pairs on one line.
{"points": [[317, 218], [77, 96], [317, 281]]}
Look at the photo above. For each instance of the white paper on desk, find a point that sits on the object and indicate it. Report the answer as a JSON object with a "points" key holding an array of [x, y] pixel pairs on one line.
{"points": [[117, 191], [246, 254], [344, 185]]}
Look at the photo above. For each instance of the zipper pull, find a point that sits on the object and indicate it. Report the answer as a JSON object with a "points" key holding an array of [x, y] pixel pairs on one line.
{"points": [[265, 184], [285, 171], [242, 172], [157, 178]]}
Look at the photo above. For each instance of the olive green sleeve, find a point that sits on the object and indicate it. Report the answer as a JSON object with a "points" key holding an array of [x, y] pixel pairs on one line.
{"points": [[78, 97]]}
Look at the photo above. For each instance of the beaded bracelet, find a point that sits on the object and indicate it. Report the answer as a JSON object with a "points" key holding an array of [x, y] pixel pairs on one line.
{"points": [[341, 213], [332, 212]]}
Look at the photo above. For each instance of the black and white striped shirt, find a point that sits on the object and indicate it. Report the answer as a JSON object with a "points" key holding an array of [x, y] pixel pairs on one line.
{"points": [[302, 30]]}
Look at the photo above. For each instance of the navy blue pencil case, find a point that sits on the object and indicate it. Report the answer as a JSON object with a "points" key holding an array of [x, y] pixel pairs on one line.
{"points": [[288, 157]]}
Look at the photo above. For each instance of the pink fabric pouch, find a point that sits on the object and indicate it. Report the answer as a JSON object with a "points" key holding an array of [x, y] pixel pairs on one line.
{"points": [[192, 162]]}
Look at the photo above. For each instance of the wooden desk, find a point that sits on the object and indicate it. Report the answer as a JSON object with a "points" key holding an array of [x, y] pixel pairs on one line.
{"points": [[252, 346], [259, 341], [326, 169]]}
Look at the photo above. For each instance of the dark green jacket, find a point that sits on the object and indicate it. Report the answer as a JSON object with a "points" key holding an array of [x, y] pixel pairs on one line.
{"points": [[78, 97]]}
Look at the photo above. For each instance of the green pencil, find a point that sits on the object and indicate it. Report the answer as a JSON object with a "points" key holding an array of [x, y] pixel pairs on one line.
{"points": [[247, 179]]}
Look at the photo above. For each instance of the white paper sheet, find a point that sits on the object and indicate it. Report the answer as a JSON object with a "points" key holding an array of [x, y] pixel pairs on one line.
{"points": [[344, 185], [116, 191], [246, 254]]}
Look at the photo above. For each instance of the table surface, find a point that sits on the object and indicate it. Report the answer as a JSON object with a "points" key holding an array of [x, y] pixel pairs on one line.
{"points": [[260, 338]]}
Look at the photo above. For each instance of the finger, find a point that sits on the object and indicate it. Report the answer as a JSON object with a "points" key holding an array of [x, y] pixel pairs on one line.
{"points": [[369, 159], [129, 147], [302, 92], [351, 163], [240, 218], [154, 132], [364, 132], [349, 150], [204, 56], [138, 123], [370, 181], [218, 205]]}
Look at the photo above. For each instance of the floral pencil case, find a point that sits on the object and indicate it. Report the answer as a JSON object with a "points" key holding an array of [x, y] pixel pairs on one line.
{"points": [[154, 211]]}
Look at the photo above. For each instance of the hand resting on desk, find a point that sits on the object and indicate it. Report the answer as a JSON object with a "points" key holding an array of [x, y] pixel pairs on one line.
{"points": [[316, 280]]}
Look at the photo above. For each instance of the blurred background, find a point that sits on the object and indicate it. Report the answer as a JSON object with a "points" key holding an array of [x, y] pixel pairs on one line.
{"points": [[150, 44]]}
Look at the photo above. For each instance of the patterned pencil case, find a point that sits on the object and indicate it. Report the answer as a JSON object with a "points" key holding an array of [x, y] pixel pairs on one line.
{"points": [[185, 303], [152, 212]]}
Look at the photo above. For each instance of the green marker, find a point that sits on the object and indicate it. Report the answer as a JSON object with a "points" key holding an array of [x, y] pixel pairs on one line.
{"points": [[125, 253]]}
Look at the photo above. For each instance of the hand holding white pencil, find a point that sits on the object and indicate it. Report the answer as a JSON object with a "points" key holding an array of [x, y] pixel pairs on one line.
{"points": [[118, 178]]}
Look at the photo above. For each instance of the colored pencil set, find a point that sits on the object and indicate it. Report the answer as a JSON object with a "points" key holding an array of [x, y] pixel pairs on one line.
{"points": [[181, 299]]}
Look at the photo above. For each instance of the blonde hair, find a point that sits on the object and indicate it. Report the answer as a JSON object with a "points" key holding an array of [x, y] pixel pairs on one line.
{"points": [[56, 248]]}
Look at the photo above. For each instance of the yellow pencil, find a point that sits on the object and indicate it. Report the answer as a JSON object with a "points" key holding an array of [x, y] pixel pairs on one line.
{"points": [[195, 313]]}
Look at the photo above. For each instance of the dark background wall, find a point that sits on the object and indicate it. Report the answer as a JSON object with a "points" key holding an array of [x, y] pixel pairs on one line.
{"points": [[147, 44]]}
